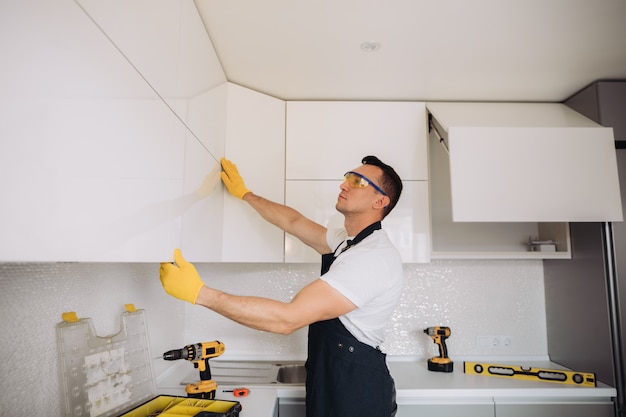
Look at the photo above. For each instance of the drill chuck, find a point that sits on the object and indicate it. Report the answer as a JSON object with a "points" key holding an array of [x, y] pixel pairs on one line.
{"points": [[189, 352], [172, 355], [196, 352]]}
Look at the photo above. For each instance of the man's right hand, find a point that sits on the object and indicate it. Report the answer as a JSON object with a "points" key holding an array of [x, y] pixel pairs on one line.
{"points": [[232, 180]]}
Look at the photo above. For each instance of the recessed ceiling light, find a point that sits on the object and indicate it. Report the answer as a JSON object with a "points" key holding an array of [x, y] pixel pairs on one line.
{"points": [[370, 46]]}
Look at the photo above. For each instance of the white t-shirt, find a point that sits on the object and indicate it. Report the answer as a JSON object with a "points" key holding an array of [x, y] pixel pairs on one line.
{"points": [[370, 275]]}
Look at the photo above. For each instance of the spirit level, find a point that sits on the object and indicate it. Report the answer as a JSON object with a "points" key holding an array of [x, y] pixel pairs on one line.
{"points": [[531, 374]]}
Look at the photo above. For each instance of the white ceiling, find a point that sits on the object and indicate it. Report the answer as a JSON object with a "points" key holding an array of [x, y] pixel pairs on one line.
{"points": [[450, 50]]}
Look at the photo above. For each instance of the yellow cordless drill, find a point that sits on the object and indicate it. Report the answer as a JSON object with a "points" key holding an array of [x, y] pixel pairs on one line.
{"points": [[441, 363], [199, 354]]}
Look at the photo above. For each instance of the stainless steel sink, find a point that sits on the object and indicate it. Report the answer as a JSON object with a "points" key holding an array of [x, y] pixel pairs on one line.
{"points": [[291, 374], [252, 372]]}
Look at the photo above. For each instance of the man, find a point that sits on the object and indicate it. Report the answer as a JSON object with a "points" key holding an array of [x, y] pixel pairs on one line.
{"points": [[345, 309]]}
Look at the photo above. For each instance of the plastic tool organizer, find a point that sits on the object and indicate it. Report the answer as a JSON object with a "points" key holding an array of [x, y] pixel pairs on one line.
{"points": [[166, 406], [104, 376]]}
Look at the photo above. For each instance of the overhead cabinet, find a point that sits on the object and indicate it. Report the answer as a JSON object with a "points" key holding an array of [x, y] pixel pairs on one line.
{"points": [[173, 53], [255, 142], [527, 162], [95, 165], [326, 139], [507, 177]]}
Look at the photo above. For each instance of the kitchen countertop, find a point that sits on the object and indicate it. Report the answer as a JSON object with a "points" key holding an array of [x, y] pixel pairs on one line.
{"points": [[414, 380], [414, 385]]}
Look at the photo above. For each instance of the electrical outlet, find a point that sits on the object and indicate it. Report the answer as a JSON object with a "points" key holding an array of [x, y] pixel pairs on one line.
{"points": [[494, 342]]}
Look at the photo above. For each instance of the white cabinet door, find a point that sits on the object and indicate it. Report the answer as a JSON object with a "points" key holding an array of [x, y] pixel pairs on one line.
{"points": [[482, 240], [255, 143], [407, 225], [533, 174], [291, 407], [315, 200], [167, 43], [326, 139], [528, 162], [564, 408], [202, 226], [92, 164], [448, 407]]}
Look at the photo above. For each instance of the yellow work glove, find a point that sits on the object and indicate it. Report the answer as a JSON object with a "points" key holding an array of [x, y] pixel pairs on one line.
{"points": [[181, 280], [232, 180]]}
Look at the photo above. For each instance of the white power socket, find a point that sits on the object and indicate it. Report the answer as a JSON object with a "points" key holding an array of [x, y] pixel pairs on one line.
{"points": [[494, 342]]}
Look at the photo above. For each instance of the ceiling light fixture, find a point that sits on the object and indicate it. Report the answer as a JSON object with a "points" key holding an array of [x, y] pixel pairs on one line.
{"points": [[370, 46]]}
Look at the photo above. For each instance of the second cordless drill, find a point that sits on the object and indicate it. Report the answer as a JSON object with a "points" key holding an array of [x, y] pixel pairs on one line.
{"points": [[441, 363], [199, 354]]}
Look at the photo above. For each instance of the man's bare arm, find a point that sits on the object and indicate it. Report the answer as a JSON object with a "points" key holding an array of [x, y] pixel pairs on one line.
{"points": [[315, 302], [291, 221]]}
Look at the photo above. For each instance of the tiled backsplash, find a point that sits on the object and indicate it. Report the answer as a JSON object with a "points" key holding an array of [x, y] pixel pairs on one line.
{"points": [[474, 298]]}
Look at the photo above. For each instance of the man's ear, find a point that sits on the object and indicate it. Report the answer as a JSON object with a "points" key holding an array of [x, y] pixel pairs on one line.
{"points": [[382, 202]]}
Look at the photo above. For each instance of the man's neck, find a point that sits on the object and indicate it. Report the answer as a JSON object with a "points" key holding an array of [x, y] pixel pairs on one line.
{"points": [[355, 225]]}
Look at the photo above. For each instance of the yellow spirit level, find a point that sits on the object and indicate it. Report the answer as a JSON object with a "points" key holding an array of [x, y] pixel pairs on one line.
{"points": [[531, 374]]}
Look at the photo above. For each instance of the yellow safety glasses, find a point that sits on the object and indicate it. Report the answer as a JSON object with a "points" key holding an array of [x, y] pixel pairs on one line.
{"points": [[356, 180]]}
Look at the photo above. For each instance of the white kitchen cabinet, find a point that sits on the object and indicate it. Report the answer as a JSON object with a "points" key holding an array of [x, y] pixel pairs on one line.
{"points": [[93, 161], [173, 53], [201, 222], [316, 200], [447, 407], [482, 240], [578, 407], [514, 407], [255, 142], [503, 174], [291, 407], [527, 162], [326, 139]]}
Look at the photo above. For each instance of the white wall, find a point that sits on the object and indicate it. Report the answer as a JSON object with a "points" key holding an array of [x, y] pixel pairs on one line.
{"points": [[472, 297]]}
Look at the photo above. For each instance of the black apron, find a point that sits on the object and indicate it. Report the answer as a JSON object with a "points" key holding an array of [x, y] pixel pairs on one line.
{"points": [[346, 377]]}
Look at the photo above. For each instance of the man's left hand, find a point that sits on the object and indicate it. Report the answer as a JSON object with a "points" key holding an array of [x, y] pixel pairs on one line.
{"points": [[181, 280]]}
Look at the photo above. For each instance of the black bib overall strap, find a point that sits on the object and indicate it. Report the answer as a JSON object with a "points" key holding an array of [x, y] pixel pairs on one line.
{"points": [[346, 377], [329, 258]]}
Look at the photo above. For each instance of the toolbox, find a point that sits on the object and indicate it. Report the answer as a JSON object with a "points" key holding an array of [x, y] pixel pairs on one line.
{"points": [[104, 376], [168, 406]]}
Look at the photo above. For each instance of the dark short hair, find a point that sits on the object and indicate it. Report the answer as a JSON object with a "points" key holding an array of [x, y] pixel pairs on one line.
{"points": [[390, 181]]}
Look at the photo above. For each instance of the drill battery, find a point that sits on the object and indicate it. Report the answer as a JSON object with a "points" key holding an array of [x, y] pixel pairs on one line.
{"points": [[440, 364]]}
